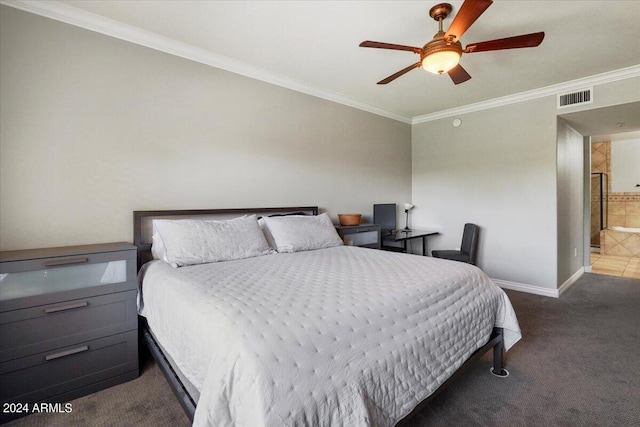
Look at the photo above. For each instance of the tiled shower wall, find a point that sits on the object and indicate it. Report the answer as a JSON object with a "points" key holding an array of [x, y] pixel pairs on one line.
{"points": [[624, 210]]}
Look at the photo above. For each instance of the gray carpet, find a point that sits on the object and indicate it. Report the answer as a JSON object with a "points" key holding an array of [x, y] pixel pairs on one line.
{"points": [[578, 364]]}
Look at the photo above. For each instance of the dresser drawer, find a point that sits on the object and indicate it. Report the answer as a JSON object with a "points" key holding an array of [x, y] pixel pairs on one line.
{"points": [[41, 376], [42, 328], [47, 278]]}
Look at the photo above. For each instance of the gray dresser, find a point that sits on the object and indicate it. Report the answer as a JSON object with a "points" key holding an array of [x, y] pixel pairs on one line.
{"points": [[68, 323]]}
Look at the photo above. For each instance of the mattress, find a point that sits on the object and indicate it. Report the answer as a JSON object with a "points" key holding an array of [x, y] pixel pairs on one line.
{"points": [[343, 336]]}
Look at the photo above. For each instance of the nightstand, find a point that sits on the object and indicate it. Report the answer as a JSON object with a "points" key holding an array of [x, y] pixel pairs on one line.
{"points": [[364, 235], [68, 321]]}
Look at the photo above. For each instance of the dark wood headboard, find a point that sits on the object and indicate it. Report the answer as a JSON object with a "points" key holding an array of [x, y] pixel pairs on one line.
{"points": [[142, 221]]}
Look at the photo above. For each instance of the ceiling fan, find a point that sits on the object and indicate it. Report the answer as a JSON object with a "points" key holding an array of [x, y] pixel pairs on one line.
{"points": [[442, 54]]}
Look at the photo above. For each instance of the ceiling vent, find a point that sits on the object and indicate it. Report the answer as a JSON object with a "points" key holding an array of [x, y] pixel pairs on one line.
{"points": [[583, 96]]}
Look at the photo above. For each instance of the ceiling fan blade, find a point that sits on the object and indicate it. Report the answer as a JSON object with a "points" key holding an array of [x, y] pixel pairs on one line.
{"points": [[458, 74], [392, 77], [380, 45], [467, 15], [525, 40]]}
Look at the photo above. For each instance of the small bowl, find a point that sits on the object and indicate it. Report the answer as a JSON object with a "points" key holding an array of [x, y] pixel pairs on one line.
{"points": [[349, 219]]}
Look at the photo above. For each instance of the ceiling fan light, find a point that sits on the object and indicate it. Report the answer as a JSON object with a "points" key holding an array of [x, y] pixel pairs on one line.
{"points": [[441, 61]]}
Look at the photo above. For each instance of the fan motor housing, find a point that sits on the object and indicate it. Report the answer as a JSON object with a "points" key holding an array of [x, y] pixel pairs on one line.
{"points": [[438, 44]]}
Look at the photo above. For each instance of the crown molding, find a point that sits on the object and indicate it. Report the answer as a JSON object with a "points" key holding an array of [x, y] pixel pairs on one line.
{"points": [[71, 15], [597, 79]]}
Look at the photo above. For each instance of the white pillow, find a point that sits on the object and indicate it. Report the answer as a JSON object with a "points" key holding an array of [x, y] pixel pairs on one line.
{"points": [[158, 250], [267, 233], [190, 241], [302, 233]]}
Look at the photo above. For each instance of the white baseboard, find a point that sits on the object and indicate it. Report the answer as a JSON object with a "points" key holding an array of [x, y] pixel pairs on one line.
{"points": [[527, 288], [570, 281], [555, 293]]}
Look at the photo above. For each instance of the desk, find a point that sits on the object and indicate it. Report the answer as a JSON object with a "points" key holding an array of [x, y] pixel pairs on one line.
{"points": [[403, 236]]}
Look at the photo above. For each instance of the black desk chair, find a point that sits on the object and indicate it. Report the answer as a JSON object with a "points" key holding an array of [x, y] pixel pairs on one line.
{"points": [[468, 249]]}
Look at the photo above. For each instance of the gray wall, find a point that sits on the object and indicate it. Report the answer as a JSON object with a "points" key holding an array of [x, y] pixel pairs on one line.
{"points": [[586, 203], [497, 170], [512, 171], [92, 128], [570, 201]]}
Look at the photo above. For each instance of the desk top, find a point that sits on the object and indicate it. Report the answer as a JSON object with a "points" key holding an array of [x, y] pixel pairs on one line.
{"points": [[401, 235]]}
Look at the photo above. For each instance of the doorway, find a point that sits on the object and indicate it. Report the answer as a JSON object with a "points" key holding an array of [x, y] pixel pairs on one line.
{"points": [[611, 201]]}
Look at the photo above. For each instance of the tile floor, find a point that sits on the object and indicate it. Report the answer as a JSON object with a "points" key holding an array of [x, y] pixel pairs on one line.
{"points": [[615, 265]]}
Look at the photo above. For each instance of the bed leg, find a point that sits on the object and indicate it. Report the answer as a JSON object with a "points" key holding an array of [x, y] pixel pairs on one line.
{"points": [[498, 358]]}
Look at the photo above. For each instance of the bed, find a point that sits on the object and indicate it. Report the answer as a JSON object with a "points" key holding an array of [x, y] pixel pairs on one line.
{"points": [[328, 336]]}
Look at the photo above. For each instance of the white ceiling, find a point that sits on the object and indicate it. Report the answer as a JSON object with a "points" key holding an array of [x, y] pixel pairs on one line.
{"points": [[601, 123], [314, 44]]}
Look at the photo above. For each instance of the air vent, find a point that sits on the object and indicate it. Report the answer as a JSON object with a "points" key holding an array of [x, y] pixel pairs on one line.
{"points": [[584, 96]]}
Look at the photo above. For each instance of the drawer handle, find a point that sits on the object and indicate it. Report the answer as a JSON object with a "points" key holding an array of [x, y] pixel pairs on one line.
{"points": [[66, 353], [66, 307], [66, 261]]}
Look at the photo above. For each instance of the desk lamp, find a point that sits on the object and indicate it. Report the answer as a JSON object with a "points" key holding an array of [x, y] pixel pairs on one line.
{"points": [[407, 208]]}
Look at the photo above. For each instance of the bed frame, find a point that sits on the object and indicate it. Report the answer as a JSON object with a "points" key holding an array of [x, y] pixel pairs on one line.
{"points": [[142, 240]]}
